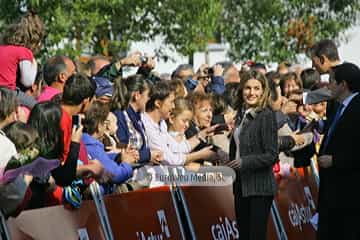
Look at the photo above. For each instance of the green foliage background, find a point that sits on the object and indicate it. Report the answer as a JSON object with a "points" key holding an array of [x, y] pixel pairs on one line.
{"points": [[277, 30], [262, 30]]}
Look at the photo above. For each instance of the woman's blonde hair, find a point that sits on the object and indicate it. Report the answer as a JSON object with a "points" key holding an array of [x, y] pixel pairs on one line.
{"points": [[264, 99], [179, 87], [181, 105]]}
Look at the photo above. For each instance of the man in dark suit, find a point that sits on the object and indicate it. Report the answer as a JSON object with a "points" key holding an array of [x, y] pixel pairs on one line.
{"points": [[324, 56], [339, 195]]}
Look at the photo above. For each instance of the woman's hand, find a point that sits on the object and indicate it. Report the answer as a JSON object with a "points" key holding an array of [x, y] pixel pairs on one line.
{"points": [[131, 60], [93, 169], [206, 153], [77, 134], [289, 107], [193, 166], [130, 156], [298, 138], [218, 70], [156, 156]]}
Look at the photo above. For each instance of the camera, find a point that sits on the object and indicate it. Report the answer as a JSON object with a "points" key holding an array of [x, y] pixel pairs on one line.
{"points": [[209, 71], [76, 121], [143, 59], [221, 128]]}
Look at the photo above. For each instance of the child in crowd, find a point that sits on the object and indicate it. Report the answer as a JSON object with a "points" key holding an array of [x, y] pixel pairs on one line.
{"points": [[18, 66], [180, 119], [21, 168], [20, 41], [158, 110]]}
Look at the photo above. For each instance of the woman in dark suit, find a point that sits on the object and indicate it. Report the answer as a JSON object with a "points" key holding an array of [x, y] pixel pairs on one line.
{"points": [[253, 152]]}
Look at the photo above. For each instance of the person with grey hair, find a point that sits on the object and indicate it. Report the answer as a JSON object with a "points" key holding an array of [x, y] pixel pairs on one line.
{"points": [[185, 72], [324, 55]]}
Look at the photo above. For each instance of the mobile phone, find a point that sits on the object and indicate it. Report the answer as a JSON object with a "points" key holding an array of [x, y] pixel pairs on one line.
{"points": [[144, 60], [220, 128], [309, 127], [209, 71], [76, 121]]}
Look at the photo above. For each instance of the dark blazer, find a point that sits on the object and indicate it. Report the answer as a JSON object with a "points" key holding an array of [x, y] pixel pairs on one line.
{"points": [[123, 132], [258, 153], [338, 183]]}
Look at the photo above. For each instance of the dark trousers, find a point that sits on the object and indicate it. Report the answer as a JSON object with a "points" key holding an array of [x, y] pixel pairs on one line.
{"points": [[252, 215], [338, 224]]}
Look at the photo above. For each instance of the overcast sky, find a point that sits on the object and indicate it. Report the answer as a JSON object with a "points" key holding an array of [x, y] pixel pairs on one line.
{"points": [[350, 51]]}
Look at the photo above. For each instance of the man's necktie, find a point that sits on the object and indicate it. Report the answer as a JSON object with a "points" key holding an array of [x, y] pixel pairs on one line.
{"points": [[333, 125]]}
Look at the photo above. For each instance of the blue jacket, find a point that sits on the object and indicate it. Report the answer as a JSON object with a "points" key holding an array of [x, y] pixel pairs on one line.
{"points": [[123, 131], [217, 85], [121, 172]]}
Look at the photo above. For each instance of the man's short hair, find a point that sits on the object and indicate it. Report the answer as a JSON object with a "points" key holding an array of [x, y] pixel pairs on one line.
{"points": [[182, 67], [327, 48], [77, 88], [52, 68], [8, 103], [348, 72]]}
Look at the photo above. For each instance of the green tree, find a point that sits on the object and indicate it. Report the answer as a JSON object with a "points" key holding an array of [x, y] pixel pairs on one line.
{"points": [[108, 27], [277, 30]]}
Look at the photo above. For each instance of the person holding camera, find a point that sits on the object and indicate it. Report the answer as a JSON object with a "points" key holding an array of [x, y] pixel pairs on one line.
{"points": [[210, 79], [137, 59], [206, 79]]}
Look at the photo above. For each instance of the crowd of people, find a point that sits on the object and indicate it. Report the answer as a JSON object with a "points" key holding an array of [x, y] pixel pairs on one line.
{"points": [[67, 124]]}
